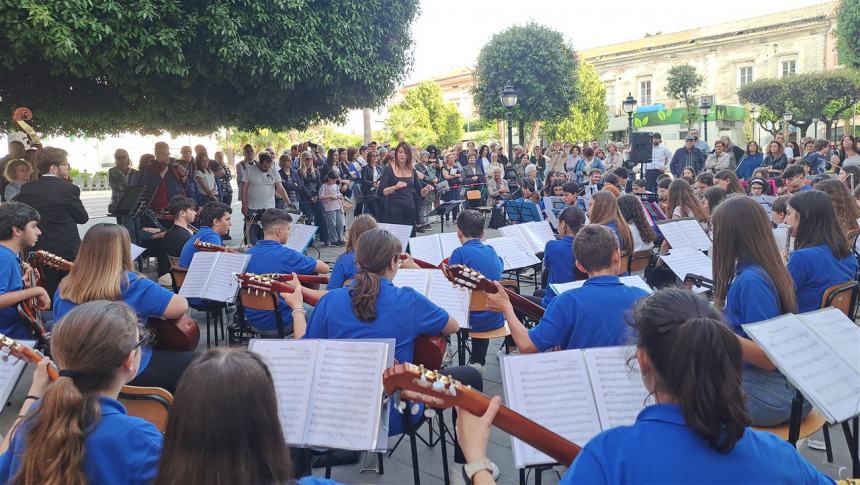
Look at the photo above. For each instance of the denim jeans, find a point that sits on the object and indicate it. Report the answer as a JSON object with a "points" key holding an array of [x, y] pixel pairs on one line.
{"points": [[768, 396]]}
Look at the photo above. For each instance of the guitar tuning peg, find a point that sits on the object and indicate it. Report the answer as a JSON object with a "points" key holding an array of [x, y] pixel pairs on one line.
{"points": [[416, 408], [438, 385], [452, 390], [429, 413], [423, 378]]}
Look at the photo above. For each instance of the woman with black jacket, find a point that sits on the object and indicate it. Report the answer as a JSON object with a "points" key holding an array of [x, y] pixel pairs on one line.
{"points": [[370, 183], [309, 186]]}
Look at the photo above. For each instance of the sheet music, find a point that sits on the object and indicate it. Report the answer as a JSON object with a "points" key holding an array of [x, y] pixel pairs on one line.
{"points": [[634, 281], [552, 389], [201, 267], [781, 235], [513, 252], [618, 389], [347, 395], [291, 363], [534, 234], [838, 331], [548, 209], [810, 364], [301, 236], [426, 248], [766, 202], [402, 232], [222, 286], [136, 251], [10, 372], [455, 300], [685, 233], [417, 279], [685, 261], [516, 234], [448, 241]]}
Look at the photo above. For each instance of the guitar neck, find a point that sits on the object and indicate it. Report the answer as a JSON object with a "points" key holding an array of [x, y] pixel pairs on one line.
{"points": [[544, 440], [525, 305]]}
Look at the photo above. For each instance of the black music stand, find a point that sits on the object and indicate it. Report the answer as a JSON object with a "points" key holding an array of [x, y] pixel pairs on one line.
{"points": [[519, 211], [444, 209], [127, 201]]}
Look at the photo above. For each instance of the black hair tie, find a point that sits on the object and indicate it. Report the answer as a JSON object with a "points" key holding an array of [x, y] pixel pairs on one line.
{"points": [[70, 374]]}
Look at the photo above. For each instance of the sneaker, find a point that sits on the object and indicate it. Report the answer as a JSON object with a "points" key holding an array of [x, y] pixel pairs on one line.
{"points": [[477, 366]]}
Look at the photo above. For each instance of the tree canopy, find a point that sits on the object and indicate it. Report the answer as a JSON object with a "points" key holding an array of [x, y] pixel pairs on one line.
{"points": [[587, 117], [539, 64], [191, 66], [682, 83], [424, 118], [848, 33]]}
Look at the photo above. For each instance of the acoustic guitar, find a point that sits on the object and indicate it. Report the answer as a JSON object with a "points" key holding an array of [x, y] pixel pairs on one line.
{"points": [[304, 279], [29, 313], [465, 277], [177, 334], [442, 392]]}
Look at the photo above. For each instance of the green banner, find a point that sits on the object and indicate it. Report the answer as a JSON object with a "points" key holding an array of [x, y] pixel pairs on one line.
{"points": [[677, 116]]}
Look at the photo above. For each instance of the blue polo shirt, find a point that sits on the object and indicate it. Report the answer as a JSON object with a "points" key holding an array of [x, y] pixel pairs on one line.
{"points": [[751, 298], [146, 297], [659, 448], [205, 234], [345, 268], [11, 279], [559, 260], [814, 269], [482, 258], [118, 449], [614, 226], [591, 316], [271, 257]]}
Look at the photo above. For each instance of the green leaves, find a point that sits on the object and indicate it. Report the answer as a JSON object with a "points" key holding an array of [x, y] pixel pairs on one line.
{"points": [[425, 118], [848, 33], [822, 95], [682, 83], [587, 117]]}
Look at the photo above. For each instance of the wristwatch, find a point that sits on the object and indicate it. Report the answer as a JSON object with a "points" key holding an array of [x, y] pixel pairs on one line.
{"points": [[470, 469]]}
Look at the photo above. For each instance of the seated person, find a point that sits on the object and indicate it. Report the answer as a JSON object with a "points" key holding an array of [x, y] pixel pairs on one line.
{"points": [[794, 180], [97, 348], [483, 259], [214, 224], [270, 255], [18, 232], [639, 187], [558, 257], [604, 210], [345, 267], [570, 194], [184, 212], [590, 316]]}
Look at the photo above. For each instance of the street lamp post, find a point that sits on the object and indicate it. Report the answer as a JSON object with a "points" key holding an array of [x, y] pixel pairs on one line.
{"points": [[754, 114], [629, 106], [508, 98], [787, 116], [815, 122], [705, 110]]}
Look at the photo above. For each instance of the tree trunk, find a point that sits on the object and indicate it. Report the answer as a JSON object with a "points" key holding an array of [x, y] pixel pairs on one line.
{"points": [[520, 131], [828, 129], [533, 135], [367, 131]]}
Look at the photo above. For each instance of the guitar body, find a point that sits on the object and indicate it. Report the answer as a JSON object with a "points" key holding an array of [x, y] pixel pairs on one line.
{"points": [[180, 334], [429, 351]]}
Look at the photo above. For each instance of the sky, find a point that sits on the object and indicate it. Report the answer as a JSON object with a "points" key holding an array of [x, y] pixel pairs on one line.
{"points": [[449, 34]]}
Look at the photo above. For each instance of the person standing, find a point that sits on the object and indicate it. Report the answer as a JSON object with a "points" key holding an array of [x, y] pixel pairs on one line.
{"points": [[660, 157], [332, 202], [401, 188], [539, 161], [17, 174], [259, 186], [118, 176], [700, 144], [687, 156], [222, 178]]}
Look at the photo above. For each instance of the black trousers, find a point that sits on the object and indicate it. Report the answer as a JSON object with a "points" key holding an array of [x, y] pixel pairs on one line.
{"points": [[164, 370], [470, 377]]}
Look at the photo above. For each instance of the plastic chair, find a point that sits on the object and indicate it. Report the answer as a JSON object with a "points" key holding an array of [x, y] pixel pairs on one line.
{"points": [[639, 260], [261, 300], [842, 296], [149, 403], [214, 310]]}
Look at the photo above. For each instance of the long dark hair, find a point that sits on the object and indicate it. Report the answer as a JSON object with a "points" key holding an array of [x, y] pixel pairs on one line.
{"points": [[92, 341], [682, 195], [743, 234], [714, 195], [843, 202], [735, 186], [818, 224], [245, 446], [631, 209], [573, 218], [697, 360], [605, 210], [377, 248]]}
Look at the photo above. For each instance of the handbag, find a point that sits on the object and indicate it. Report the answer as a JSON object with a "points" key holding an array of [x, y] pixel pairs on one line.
{"points": [[348, 204]]}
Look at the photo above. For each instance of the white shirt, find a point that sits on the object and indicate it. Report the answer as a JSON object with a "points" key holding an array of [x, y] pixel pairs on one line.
{"points": [[660, 157], [261, 187], [638, 243], [789, 153]]}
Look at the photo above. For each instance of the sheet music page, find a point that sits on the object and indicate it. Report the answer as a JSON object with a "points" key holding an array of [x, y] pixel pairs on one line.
{"points": [[417, 279], [549, 205], [781, 234], [514, 252], [10, 372], [426, 248], [198, 274], [517, 234], [766, 202], [291, 363], [552, 389], [838, 331], [136, 251], [697, 236], [347, 395], [635, 281], [453, 299], [675, 235], [301, 236], [538, 234], [402, 232], [222, 286], [685, 261], [448, 241], [810, 364], [618, 389]]}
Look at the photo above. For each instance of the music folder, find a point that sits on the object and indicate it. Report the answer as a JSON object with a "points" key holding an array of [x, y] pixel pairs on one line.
{"points": [[211, 276]]}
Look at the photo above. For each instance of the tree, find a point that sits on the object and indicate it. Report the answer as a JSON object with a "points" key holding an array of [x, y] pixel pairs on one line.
{"points": [[424, 118], [587, 117], [848, 33], [682, 83], [823, 95], [540, 65], [107, 66]]}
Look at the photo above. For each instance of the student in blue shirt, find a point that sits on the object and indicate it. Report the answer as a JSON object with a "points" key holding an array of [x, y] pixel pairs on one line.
{"points": [[591, 316], [345, 266], [794, 180], [751, 284], [243, 447], [570, 195], [558, 257], [483, 259], [18, 232], [604, 210], [76, 421], [103, 270], [214, 225], [698, 430], [822, 256]]}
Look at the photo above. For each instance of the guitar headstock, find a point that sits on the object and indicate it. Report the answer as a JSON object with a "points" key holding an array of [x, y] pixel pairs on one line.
{"points": [[208, 247], [428, 387], [466, 277], [264, 282], [18, 350], [52, 261]]}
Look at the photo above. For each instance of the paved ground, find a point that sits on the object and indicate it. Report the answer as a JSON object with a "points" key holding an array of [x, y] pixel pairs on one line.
{"points": [[398, 468]]}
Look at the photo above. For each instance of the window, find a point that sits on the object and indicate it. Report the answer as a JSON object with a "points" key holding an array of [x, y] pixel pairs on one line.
{"points": [[610, 98], [645, 92], [788, 68], [745, 75]]}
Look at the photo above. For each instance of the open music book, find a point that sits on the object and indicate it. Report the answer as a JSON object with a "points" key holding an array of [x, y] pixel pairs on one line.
{"points": [[576, 393], [766, 202], [687, 260], [819, 353], [401, 231], [10, 372], [435, 248], [210, 276], [301, 236], [535, 234], [514, 251], [330, 391], [635, 281], [684, 233], [552, 206], [433, 284]]}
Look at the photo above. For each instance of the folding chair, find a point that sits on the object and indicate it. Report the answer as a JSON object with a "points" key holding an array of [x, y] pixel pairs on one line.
{"points": [[842, 296], [261, 300], [214, 310], [149, 403], [478, 303], [473, 198]]}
